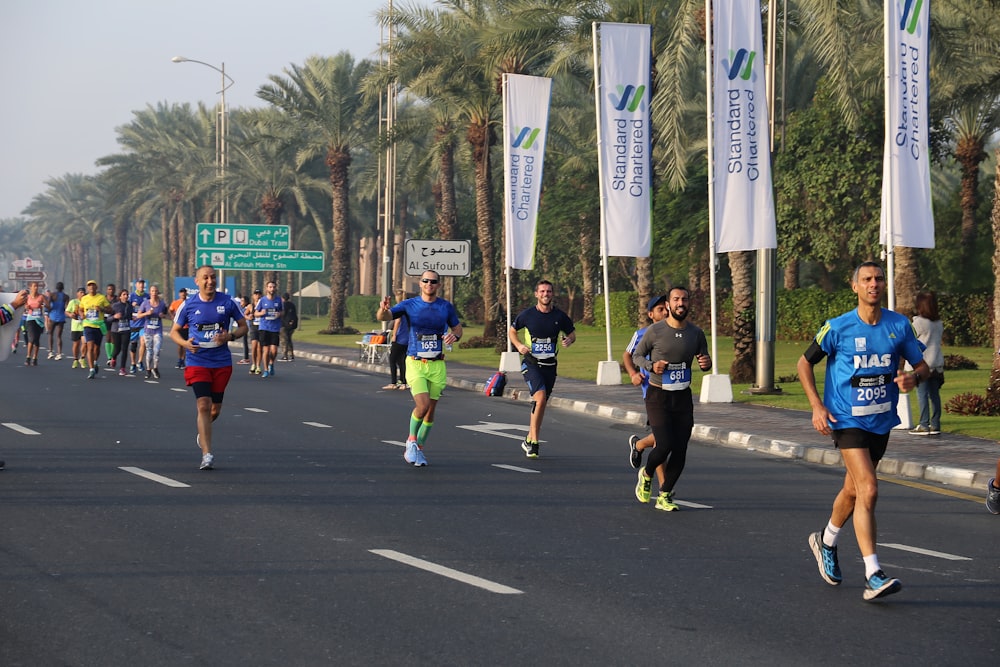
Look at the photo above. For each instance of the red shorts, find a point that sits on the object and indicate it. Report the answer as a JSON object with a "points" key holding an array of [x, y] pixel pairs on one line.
{"points": [[217, 378]]}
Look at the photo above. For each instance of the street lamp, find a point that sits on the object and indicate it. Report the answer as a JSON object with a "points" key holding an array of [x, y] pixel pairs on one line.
{"points": [[221, 130]]}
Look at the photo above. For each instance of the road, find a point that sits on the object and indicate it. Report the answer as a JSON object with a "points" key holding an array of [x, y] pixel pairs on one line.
{"points": [[312, 542]]}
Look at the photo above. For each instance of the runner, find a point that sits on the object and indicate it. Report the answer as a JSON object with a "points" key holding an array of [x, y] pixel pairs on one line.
{"points": [[254, 334], [152, 311], [208, 365], [57, 321], [428, 316], [268, 313], [657, 310], [668, 351], [864, 349], [542, 324], [76, 328], [138, 343], [120, 329], [92, 308], [175, 305], [34, 322], [111, 294]]}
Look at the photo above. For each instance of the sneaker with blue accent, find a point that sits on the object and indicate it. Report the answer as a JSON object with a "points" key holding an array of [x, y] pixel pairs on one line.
{"points": [[421, 460], [665, 502], [410, 453], [265, 374], [207, 462], [826, 559], [642, 487], [993, 497], [879, 586]]}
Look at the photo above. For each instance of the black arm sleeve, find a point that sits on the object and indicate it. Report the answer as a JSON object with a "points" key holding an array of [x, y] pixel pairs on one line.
{"points": [[814, 354]]}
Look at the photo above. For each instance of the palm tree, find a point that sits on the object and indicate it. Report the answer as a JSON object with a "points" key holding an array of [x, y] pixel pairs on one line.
{"points": [[322, 99]]}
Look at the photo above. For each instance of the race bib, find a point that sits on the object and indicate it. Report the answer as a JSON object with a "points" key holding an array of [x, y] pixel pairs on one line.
{"points": [[205, 335], [429, 346], [870, 394], [271, 314], [153, 323], [676, 377], [35, 312], [543, 348]]}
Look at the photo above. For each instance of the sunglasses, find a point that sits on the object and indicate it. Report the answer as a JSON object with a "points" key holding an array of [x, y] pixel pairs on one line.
{"points": [[429, 280]]}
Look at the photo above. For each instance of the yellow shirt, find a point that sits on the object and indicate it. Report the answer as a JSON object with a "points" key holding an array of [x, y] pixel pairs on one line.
{"points": [[93, 309]]}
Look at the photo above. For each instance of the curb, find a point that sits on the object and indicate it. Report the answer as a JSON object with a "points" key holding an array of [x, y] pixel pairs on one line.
{"points": [[786, 449]]}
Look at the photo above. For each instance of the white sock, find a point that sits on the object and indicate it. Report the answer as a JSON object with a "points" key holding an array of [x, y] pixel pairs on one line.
{"points": [[871, 565], [830, 535]]}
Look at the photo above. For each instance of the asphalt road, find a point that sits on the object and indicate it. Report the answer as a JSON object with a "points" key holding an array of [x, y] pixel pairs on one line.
{"points": [[312, 542]]}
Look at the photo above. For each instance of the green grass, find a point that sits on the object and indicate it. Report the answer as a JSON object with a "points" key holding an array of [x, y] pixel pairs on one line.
{"points": [[580, 361]]}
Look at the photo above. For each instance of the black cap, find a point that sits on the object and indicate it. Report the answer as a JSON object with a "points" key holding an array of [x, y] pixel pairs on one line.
{"points": [[655, 301]]}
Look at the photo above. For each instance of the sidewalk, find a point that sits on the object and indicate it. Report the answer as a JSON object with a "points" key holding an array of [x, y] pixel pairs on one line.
{"points": [[956, 460]]}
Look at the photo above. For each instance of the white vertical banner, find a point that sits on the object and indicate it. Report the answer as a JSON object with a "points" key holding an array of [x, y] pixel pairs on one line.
{"points": [[525, 120], [744, 199], [907, 217], [624, 141]]}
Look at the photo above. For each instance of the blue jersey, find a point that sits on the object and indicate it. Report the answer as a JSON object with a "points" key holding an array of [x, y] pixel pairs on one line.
{"points": [[206, 320], [271, 321], [136, 300], [428, 321], [636, 337], [57, 306], [153, 322], [862, 361], [403, 332]]}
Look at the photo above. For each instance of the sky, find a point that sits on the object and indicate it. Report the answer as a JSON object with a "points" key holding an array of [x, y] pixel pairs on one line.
{"points": [[72, 71]]}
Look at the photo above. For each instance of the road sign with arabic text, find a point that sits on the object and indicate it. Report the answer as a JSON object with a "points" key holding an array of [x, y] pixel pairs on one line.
{"points": [[242, 237], [262, 260]]}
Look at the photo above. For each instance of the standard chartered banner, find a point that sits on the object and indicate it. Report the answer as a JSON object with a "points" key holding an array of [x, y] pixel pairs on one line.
{"points": [[744, 200], [906, 174], [525, 121], [624, 130]]}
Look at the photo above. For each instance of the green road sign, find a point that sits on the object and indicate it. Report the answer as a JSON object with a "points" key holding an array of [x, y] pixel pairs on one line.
{"points": [[262, 260], [242, 237]]}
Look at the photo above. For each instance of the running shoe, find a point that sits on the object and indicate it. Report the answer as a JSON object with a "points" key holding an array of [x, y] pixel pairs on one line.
{"points": [[206, 462], [27, 362], [530, 449], [59, 357], [178, 364], [141, 366], [421, 459], [92, 374], [993, 498], [665, 502], [642, 487], [122, 373], [826, 560], [879, 585], [149, 374], [256, 370], [51, 356], [132, 369], [634, 455], [156, 373], [270, 369], [76, 363], [265, 374], [920, 430], [242, 362], [410, 453], [34, 361], [2, 465]]}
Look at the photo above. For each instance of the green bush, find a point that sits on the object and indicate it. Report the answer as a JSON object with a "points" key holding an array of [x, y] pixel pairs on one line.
{"points": [[624, 309], [968, 319], [362, 308], [802, 312]]}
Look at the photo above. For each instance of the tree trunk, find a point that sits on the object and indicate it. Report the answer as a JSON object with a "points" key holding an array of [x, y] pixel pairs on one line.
{"points": [[969, 154], [587, 268], [993, 391], [121, 242], [338, 161], [792, 274], [481, 137], [907, 278], [741, 267], [644, 281], [165, 222]]}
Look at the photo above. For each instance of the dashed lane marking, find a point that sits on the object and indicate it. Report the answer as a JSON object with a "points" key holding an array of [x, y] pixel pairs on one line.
{"points": [[317, 424], [514, 468], [255, 410], [924, 552], [434, 568], [20, 429], [152, 476]]}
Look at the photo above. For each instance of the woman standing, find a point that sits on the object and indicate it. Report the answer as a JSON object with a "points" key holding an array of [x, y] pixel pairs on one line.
{"points": [[153, 309], [928, 326], [34, 322], [121, 329]]}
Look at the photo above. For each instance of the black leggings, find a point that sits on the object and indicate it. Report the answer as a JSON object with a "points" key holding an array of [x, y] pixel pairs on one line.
{"points": [[120, 340], [671, 417], [397, 361]]}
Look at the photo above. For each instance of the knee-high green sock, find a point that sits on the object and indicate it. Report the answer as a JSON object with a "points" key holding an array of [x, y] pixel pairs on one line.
{"points": [[415, 423], [108, 349], [425, 428]]}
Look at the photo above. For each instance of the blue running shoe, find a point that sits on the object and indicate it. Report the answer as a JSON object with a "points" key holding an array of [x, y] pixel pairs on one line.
{"points": [[826, 559], [264, 374], [410, 453], [879, 585]]}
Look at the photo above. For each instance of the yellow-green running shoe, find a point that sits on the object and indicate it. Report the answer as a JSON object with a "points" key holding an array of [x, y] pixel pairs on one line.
{"points": [[665, 502], [642, 487]]}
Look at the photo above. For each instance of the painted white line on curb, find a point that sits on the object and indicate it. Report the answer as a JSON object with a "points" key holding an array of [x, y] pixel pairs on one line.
{"points": [[472, 580], [152, 476], [924, 552], [20, 429], [317, 424], [514, 468]]}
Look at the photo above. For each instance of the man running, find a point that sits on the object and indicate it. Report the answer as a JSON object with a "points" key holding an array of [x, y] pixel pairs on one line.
{"points": [[57, 321], [656, 310], [863, 350], [542, 324], [668, 351], [92, 308], [138, 342], [175, 305], [428, 316], [268, 310], [208, 365], [76, 328]]}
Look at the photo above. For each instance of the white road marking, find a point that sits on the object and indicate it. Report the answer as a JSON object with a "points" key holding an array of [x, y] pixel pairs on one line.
{"points": [[20, 429], [697, 506], [497, 428], [472, 580], [254, 410], [166, 481], [514, 468], [178, 389], [924, 552], [317, 424], [395, 442]]}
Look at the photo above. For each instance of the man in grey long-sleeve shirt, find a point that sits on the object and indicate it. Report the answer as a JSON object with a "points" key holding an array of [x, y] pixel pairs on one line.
{"points": [[673, 346]]}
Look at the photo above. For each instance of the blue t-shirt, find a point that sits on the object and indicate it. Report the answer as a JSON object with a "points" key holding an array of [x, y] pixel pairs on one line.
{"points": [[862, 361], [271, 321], [427, 321], [136, 300], [57, 306], [205, 320], [636, 337], [403, 332], [154, 321], [543, 329]]}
